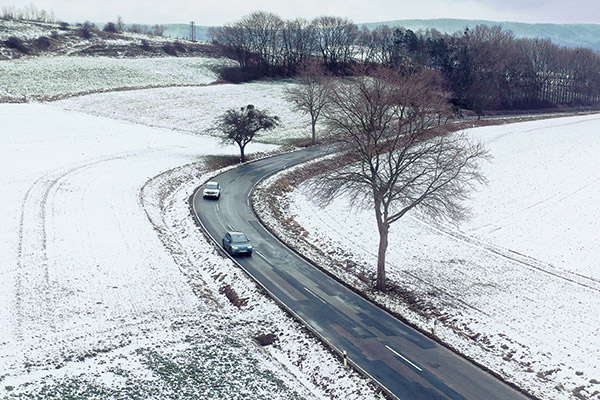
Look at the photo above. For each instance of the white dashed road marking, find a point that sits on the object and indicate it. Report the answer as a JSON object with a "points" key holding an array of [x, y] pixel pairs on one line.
{"points": [[404, 358]]}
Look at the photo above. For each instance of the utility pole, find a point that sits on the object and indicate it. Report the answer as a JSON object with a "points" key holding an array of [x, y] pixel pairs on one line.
{"points": [[193, 32]]}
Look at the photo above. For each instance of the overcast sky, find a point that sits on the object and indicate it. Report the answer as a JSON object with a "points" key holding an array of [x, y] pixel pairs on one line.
{"points": [[219, 12]]}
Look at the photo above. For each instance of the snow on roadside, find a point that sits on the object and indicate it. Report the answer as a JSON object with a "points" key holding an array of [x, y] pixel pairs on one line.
{"points": [[299, 354], [194, 109], [44, 78], [516, 288], [108, 288]]}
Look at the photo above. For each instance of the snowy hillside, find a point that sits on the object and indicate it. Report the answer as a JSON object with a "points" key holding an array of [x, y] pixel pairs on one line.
{"points": [[194, 109], [47, 78]]}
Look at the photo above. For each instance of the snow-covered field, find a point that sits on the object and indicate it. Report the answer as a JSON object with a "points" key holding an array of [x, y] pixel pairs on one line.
{"points": [[517, 288], [108, 288], [194, 109], [43, 78]]}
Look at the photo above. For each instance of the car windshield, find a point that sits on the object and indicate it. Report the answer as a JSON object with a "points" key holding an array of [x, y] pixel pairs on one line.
{"points": [[238, 238], [212, 185]]}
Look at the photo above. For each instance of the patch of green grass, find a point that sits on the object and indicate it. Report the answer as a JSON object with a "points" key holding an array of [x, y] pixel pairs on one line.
{"points": [[204, 368]]}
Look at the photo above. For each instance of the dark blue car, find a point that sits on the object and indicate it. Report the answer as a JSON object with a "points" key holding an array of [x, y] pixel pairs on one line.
{"points": [[236, 243]]}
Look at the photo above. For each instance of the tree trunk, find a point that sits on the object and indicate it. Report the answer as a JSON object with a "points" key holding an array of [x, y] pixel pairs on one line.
{"points": [[383, 243], [242, 156]]}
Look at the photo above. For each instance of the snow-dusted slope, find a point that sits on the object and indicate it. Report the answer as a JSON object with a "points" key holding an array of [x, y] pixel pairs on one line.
{"points": [[46, 78], [194, 109], [83, 271], [544, 191]]}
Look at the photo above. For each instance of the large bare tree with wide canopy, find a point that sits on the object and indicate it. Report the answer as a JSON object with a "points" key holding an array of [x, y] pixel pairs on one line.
{"points": [[395, 159]]}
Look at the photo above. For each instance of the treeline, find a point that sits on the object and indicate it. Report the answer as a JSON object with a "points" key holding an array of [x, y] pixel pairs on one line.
{"points": [[484, 68], [34, 14], [27, 13], [120, 26]]}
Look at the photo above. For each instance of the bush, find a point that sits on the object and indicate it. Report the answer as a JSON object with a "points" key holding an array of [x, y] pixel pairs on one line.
{"points": [[146, 45], [239, 75], [42, 43], [110, 27], [14, 42], [87, 30], [170, 49], [265, 340], [85, 33], [180, 47], [63, 26]]}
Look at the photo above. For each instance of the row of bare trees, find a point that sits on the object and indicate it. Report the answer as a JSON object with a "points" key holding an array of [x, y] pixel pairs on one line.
{"points": [[484, 68], [488, 68], [120, 26], [27, 13], [263, 40]]}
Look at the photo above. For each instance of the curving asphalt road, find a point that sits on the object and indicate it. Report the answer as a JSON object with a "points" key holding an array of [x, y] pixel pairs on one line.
{"points": [[406, 363]]}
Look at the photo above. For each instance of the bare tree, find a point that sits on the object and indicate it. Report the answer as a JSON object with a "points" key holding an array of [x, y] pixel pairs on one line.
{"points": [[335, 39], [241, 126], [235, 38], [262, 30], [110, 27], [395, 163], [255, 40], [120, 23], [158, 30], [298, 40], [377, 45], [137, 28], [310, 96], [28, 13]]}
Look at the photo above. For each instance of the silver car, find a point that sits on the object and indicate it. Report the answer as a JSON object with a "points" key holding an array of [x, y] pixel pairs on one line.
{"points": [[212, 189]]}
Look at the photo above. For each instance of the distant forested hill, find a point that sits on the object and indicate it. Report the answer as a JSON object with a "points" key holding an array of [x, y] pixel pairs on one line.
{"points": [[568, 35]]}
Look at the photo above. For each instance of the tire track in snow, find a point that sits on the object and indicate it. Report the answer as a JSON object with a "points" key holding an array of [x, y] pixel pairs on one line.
{"points": [[33, 297], [556, 198], [522, 259], [32, 279], [542, 128]]}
